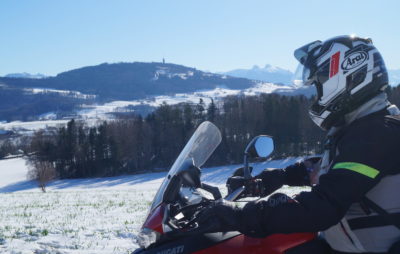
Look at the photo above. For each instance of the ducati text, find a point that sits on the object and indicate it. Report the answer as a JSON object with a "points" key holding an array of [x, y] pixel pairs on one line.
{"points": [[175, 250]]}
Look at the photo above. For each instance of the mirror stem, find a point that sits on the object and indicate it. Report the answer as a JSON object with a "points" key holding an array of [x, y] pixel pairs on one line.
{"points": [[246, 170]]}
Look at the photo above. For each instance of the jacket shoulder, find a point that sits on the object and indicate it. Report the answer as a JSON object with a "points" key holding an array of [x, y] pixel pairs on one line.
{"points": [[372, 141]]}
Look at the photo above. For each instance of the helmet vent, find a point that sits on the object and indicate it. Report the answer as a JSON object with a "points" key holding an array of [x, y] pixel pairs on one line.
{"points": [[356, 78]]}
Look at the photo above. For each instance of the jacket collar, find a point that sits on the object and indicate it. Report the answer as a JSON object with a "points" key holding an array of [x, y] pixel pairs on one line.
{"points": [[377, 103]]}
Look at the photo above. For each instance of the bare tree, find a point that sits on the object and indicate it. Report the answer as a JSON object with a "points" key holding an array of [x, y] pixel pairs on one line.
{"points": [[42, 172]]}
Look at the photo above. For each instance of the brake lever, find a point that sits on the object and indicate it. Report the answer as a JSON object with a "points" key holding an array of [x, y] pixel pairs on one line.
{"points": [[213, 190], [235, 194], [190, 207], [194, 209]]}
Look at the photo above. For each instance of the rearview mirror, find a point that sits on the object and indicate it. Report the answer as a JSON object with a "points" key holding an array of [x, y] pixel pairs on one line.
{"points": [[261, 147], [264, 146]]}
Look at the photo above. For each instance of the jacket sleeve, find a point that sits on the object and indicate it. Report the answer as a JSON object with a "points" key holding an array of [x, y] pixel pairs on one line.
{"points": [[353, 173]]}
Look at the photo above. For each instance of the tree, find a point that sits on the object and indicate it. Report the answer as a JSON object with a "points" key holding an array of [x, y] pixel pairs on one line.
{"points": [[200, 112], [41, 171], [6, 148], [211, 111]]}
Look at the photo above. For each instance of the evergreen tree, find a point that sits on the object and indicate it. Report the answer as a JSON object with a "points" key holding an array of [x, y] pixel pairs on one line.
{"points": [[211, 111]]}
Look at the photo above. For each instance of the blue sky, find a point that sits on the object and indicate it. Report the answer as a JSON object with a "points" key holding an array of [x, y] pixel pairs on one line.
{"points": [[49, 36]]}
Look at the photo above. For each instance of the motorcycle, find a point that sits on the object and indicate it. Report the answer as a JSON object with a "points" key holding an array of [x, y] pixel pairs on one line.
{"points": [[171, 226]]}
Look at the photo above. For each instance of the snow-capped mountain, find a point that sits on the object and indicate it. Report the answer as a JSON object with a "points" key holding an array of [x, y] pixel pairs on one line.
{"points": [[278, 75], [394, 77], [269, 73], [26, 75]]}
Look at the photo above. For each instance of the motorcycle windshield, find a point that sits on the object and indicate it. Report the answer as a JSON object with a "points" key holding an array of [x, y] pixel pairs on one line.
{"points": [[198, 149]]}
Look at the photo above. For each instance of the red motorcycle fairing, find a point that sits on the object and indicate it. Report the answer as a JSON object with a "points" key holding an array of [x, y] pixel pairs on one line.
{"points": [[274, 244], [155, 219], [231, 242]]}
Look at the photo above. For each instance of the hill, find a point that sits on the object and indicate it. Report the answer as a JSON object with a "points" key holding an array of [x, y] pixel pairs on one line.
{"points": [[127, 81], [135, 85]]}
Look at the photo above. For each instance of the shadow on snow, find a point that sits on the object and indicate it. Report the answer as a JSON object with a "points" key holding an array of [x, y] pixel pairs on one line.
{"points": [[214, 175]]}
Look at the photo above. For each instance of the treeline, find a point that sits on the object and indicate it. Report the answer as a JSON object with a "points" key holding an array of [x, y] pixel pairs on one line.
{"points": [[135, 144]]}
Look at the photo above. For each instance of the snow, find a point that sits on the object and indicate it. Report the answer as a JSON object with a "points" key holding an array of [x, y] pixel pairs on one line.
{"points": [[12, 171], [28, 127], [26, 75], [94, 215], [103, 111], [99, 215], [68, 93], [48, 116], [165, 71]]}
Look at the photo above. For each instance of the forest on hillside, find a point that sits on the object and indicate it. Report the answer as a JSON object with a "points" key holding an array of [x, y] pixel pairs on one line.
{"points": [[17, 104], [134, 144]]}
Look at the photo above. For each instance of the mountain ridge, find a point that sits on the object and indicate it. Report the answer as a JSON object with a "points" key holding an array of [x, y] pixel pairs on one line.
{"points": [[275, 74], [268, 73], [27, 98], [25, 75], [132, 80]]}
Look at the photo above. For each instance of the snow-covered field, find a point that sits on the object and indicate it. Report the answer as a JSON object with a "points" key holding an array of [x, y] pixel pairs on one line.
{"points": [[23, 127], [97, 215], [67, 93]]}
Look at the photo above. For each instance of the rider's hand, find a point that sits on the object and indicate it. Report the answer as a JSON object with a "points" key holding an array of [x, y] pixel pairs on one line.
{"points": [[253, 186], [235, 182], [220, 217], [313, 166], [297, 174], [272, 179], [300, 173], [269, 180]]}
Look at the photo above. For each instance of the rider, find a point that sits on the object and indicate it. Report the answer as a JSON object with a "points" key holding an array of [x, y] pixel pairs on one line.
{"points": [[353, 201]]}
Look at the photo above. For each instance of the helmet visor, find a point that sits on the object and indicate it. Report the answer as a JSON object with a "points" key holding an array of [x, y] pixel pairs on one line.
{"points": [[302, 53], [301, 76], [304, 76], [303, 72]]}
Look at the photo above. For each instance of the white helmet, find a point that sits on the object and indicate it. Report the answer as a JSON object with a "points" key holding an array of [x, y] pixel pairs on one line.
{"points": [[347, 72]]}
